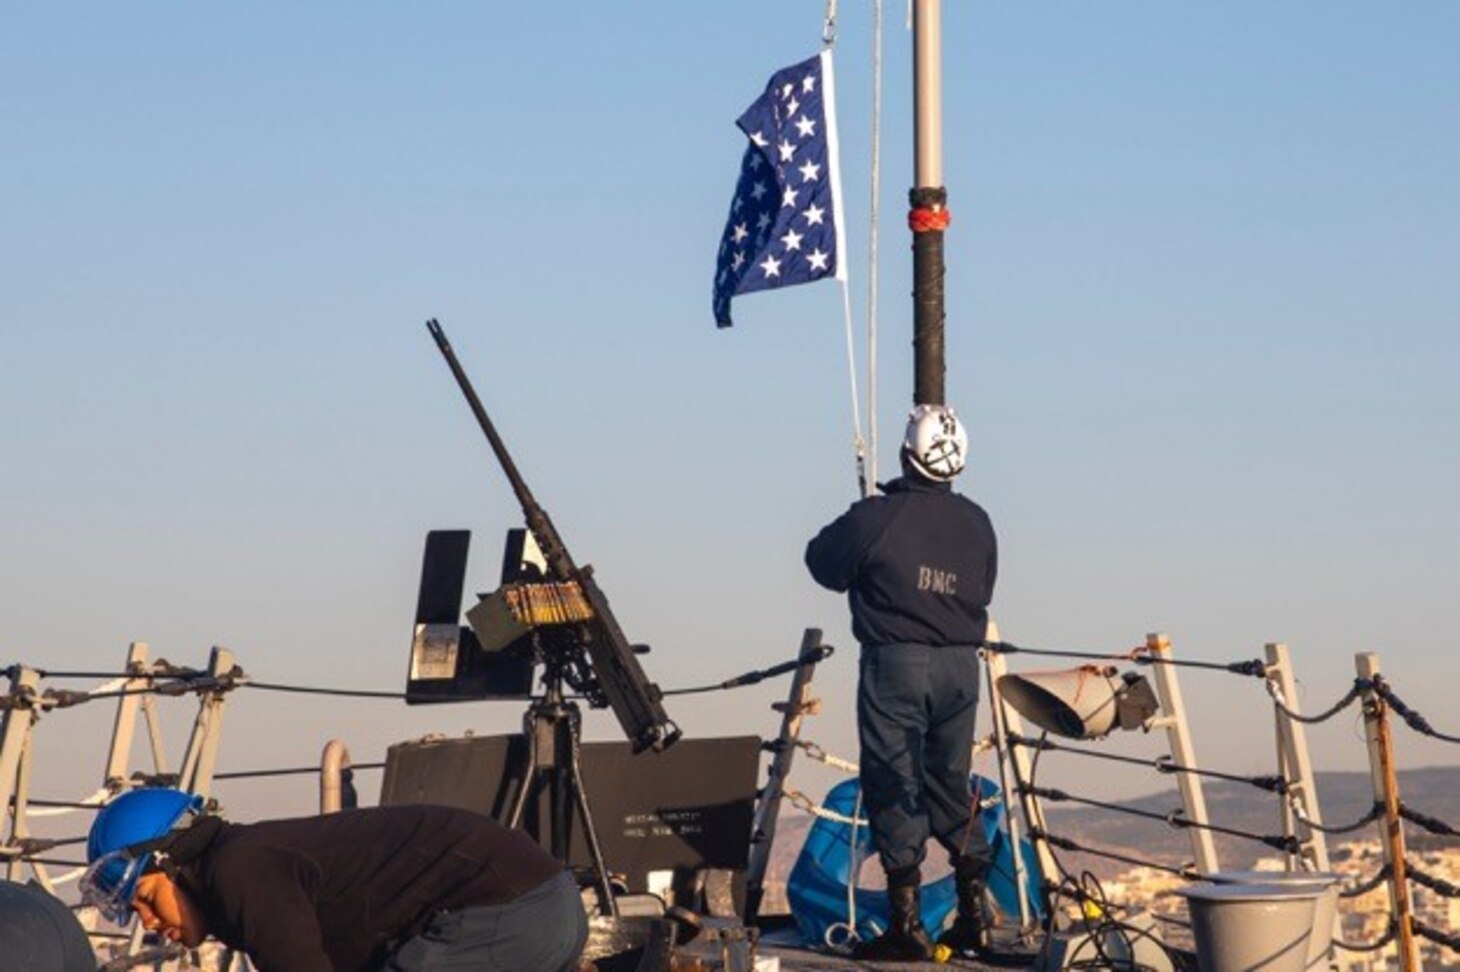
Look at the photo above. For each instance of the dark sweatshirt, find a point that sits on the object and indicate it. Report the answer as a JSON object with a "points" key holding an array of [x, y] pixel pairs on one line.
{"points": [[335, 893], [918, 565]]}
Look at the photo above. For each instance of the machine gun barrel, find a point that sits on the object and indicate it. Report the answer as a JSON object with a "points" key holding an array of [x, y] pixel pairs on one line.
{"points": [[634, 699]]}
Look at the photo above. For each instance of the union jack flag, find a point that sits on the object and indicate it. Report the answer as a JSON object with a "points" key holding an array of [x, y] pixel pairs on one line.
{"points": [[785, 224]]}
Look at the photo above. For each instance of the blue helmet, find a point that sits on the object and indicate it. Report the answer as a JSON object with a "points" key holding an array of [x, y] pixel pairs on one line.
{"points": [[123, 843]]}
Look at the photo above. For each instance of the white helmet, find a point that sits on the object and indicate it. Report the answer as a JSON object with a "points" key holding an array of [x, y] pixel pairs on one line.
{"points": [[935, 442]]}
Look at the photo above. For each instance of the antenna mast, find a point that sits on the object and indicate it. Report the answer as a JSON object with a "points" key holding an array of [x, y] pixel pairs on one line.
{"points": [[928, 199]]}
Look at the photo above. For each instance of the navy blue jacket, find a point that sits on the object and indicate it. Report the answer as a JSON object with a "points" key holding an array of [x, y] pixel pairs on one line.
{"points": [[918, 565]]}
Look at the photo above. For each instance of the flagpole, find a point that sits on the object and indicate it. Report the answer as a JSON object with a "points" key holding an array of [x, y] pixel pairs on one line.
{"points": [[928, 200]]}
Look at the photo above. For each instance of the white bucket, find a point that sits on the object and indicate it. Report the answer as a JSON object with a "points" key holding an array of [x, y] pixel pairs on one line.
{"points": [[1251, 927], [1325, 915]]}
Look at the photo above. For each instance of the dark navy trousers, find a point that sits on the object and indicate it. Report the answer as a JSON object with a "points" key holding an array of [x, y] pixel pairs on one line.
{"points": [[542, 931], [915, 719]]}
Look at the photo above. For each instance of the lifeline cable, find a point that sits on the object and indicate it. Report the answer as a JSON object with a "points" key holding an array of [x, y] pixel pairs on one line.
{"points": [[815, 656], [1375, 812], [1161, 764], [1450, 941], [159, 669], [52, 862], [1066, 885], [66, 698], [1381, 942], [1438, 885], [1433, 824], [1064, 843], [739, 681], [1412, 718], [1365, 886], [57, 804], [1138, 656], [1286, 844], [312, 690], [30, 846], [1281, 704], [295, 771]]}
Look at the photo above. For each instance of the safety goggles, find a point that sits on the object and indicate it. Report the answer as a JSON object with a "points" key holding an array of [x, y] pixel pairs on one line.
{"points": [[111, 881]]}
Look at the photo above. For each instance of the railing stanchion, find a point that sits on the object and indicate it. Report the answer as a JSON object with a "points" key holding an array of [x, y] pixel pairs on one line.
{"points": [[1294, 764], [124, 727], [1391, 827], [20, 719], [202, 753], [1178, 733], [763, 831], [1004, 753], [1007, 721]]}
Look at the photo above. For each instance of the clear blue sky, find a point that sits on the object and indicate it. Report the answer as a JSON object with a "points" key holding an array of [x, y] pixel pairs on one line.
{"points": [[1203, 302]]}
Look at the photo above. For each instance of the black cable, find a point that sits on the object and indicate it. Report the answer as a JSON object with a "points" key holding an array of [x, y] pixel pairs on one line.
{"points": [[188, 681], [1447, 939], [161, 669], [1438, 885], [1412, 718], [1375, 812], [295, 771], [1359, 687], [1064, 843], [1433, 824], [1066, 885], [1161, 764], [51, 861], [58, 804], [36, 845], [1137, 656], [66, 698], [312, 690], [1286, 844], [1364, 887], [1381, 942]]}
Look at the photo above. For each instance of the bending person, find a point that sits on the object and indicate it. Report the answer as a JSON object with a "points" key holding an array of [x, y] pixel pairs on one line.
{"points": [[399, 889], [918, 565]]}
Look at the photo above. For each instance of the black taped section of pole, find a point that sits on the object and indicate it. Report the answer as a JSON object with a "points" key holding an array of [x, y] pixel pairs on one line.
{"points": [[928, 304]]}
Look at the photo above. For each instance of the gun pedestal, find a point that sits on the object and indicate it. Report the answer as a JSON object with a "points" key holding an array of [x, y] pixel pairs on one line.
{"points": [[552, 728]]}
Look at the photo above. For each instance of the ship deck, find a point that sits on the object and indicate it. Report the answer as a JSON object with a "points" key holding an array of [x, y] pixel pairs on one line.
{"points": [[795, 959]]}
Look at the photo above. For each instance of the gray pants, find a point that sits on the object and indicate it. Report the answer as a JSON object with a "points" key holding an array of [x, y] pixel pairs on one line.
{"points": [[542, 931], [915, 720]]}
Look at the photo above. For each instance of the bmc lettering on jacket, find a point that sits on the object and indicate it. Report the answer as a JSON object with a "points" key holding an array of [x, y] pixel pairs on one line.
{"points": [[937, 581]]}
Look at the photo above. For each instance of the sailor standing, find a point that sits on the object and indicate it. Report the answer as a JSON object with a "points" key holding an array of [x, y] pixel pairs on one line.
{"points": [[918, 564]]}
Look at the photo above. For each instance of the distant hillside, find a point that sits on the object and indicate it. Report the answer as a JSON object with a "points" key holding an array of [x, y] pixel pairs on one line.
{"points": [[1342, 797]]}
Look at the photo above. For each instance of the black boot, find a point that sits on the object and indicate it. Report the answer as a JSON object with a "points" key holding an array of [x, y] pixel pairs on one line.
{"points": [[906, 940], [969, 933]]}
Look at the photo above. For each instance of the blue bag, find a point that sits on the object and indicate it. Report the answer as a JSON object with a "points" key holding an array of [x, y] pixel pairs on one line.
{"points": [[817, 888]]}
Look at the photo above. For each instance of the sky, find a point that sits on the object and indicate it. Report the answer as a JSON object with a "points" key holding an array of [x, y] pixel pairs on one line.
{"points": [[1202, 327]]}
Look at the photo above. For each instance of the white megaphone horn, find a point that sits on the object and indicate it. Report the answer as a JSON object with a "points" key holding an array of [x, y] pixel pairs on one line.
{"points": [[1081, 703]]}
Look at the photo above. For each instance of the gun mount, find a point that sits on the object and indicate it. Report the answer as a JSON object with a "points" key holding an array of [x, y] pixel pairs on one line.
{"points": [[561, 609]]}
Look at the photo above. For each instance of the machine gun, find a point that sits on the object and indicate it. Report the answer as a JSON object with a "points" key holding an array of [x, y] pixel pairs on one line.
{"points": [[585, 647]]}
